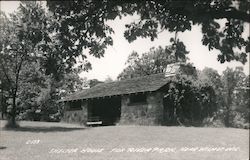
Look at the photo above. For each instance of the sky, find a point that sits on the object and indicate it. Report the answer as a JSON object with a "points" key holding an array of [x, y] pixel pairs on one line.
{"points": [[115, 56]]}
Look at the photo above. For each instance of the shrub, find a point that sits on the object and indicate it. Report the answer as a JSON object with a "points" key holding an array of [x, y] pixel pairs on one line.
{"points": [[189, 101]]}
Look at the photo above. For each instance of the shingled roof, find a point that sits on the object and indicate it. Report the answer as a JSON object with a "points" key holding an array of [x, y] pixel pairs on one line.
{"points": [[129, 86]]}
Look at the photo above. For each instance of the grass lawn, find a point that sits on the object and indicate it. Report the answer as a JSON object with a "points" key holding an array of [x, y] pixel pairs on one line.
{"points": [[59, 141]]}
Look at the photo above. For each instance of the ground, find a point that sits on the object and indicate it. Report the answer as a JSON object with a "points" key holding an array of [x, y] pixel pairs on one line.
{"points": [[59, 141]]}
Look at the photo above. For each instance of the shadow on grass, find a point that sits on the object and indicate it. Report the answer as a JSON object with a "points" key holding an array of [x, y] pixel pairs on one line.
{"points": [[44, 129], [3, 147]]}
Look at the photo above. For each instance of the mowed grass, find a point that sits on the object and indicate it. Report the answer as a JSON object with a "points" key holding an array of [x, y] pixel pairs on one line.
{"points": [[59, 141]]}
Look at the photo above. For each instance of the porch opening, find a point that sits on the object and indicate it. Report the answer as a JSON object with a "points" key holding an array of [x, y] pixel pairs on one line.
{"points": [[106, 110]]}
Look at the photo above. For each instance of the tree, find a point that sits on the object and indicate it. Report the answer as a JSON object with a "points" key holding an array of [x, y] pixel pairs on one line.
{"points": [[108, 79], [20, 36], [70, 83], [83, 20], [32, 84], [152, 62], [231, 80], [211, 76], [13, 55], [241, 105], [30, 36], [38, 93]]}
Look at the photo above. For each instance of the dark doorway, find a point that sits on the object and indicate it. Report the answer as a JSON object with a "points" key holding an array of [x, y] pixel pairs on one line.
{"points": [[107, 110]]}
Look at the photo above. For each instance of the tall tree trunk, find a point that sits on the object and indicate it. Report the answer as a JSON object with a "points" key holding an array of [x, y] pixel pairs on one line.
{"points": [[12, 119], [175, 43], [13, 112]]}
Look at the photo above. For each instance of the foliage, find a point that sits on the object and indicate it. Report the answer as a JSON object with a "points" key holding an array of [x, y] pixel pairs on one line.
{"points": [[179, 16], [205, 99], [38, 93], [81, 25], [189, 101], [70, 83], [29, 62], [81, 21], [108, 79], [232, 79], [212, 78], [21, 37], [153, 62], [3, 95], [94, 82], [14, 53], [31, 85], [232, 96], [29, 39], [239, 120]]}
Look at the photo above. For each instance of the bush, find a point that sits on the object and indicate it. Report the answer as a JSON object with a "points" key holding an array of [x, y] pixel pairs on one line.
{"points": [[217, 120], [238, 120], [189, 102]]}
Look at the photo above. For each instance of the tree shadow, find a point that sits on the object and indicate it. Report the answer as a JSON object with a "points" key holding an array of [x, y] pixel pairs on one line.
{"points": [[3, 147], [44, 129]]}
